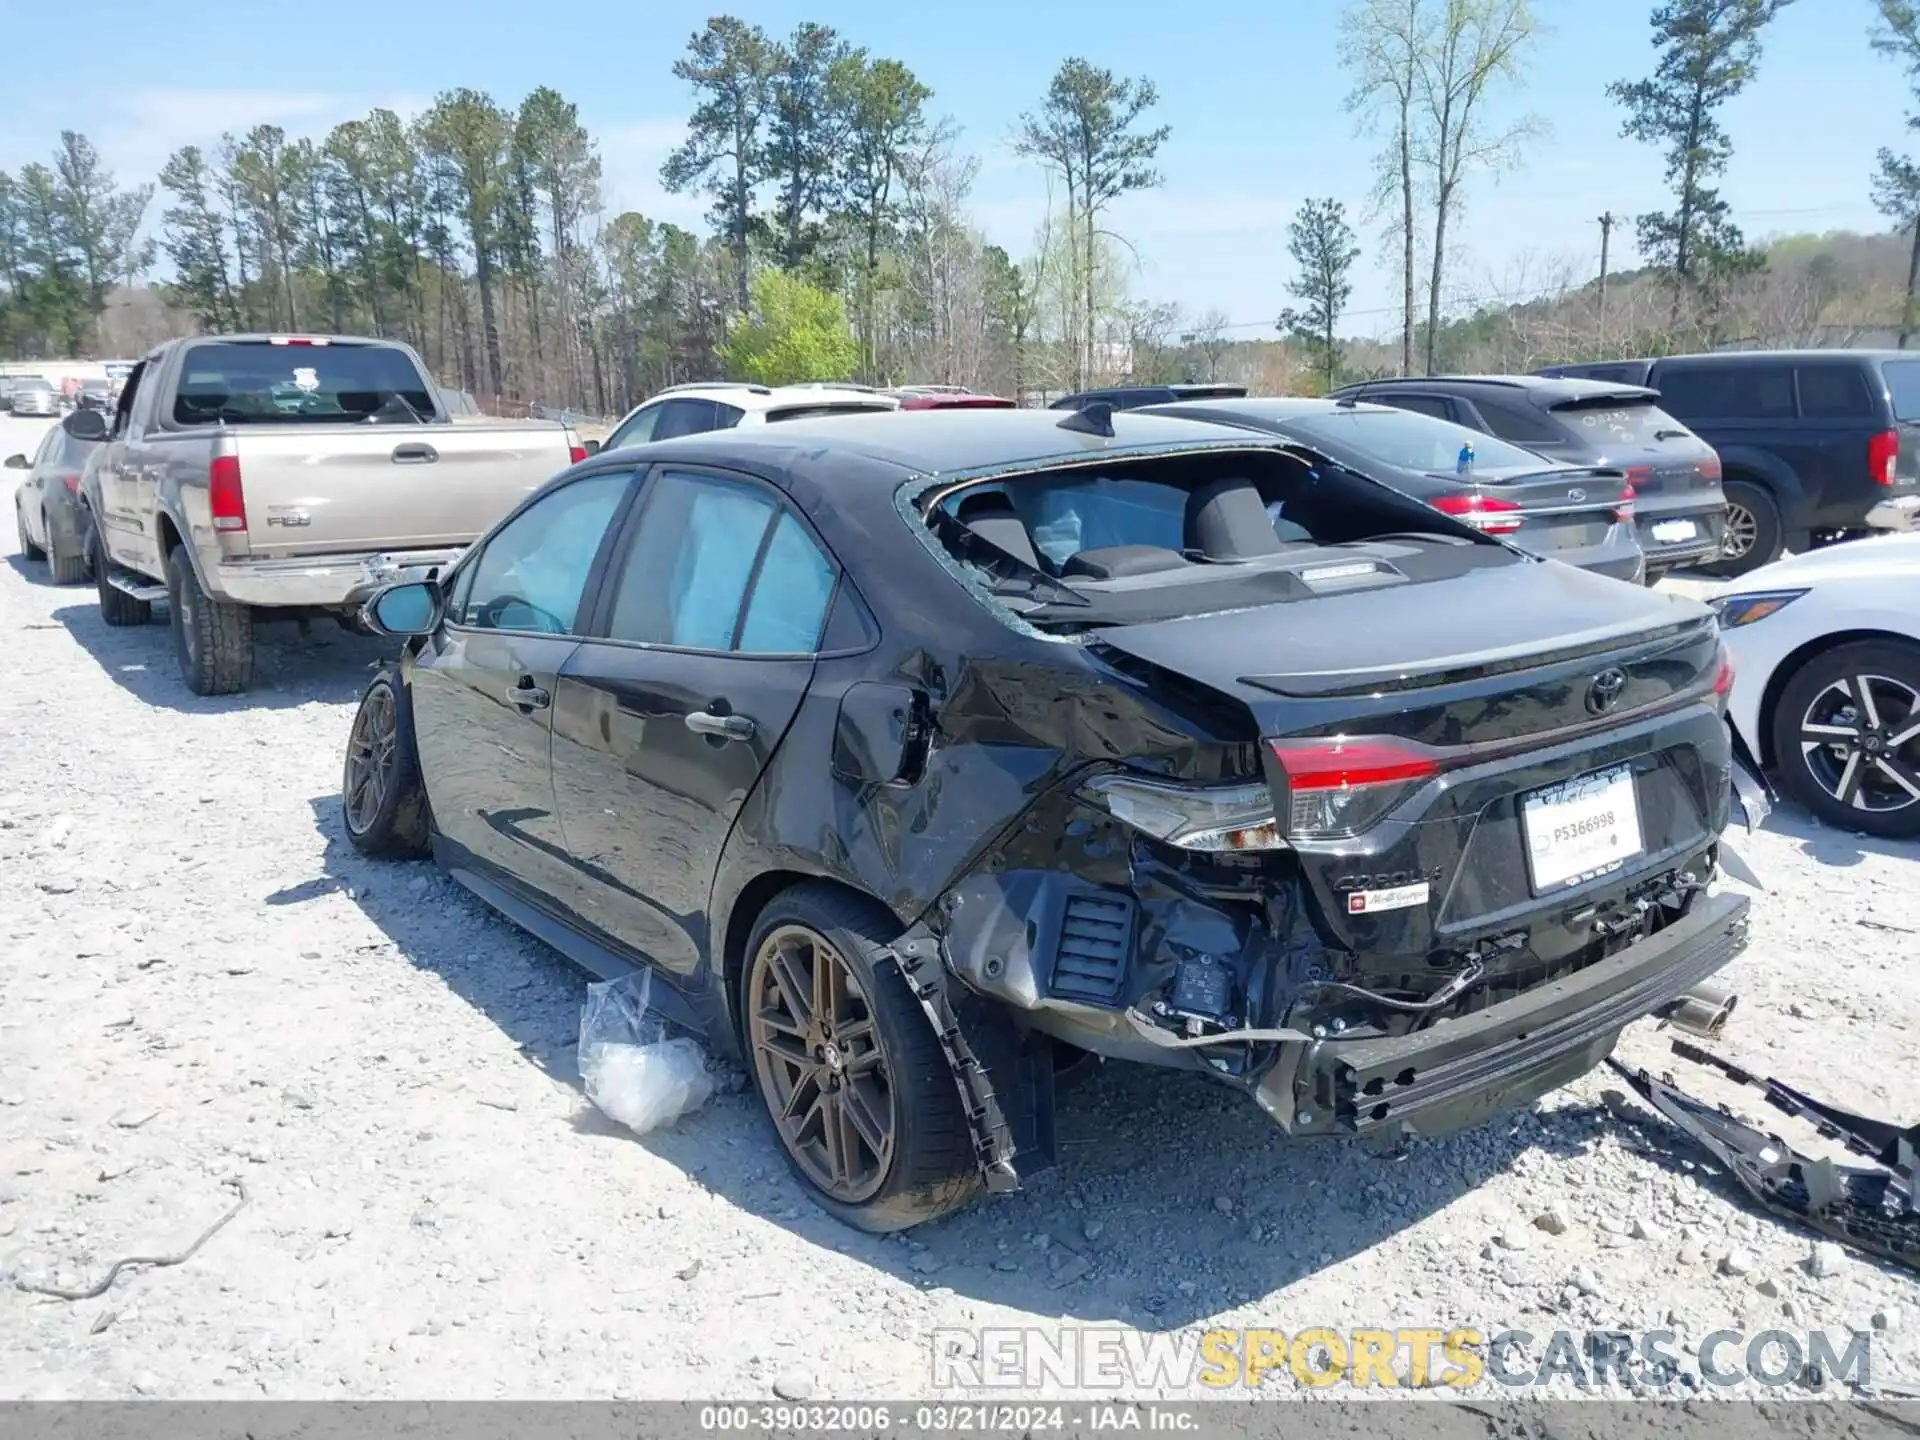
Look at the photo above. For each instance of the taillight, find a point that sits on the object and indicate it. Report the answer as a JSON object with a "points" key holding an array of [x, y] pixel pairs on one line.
{"points": [[1709, 471], [1340, 787], [72, 481], [1883, 455], [1723, 677], [1482, 512], [1623, 511], [225, 497], [576, 453]]}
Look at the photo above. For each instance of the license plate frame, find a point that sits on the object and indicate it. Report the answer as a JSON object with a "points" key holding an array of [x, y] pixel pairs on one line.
{"points": [[1601, 803], [1675, 532]]}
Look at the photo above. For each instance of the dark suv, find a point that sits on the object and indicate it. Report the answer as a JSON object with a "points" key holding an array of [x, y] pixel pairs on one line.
{"points": [[1680, 512], [1811, 439]]}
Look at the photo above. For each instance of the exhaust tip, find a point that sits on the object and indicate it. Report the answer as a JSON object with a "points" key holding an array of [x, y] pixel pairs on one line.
{"points": [[1704, 1011]]}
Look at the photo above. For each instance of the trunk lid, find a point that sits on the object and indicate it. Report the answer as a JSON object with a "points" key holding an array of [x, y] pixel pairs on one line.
{"points": [[1504, 713], [1559, 510], [320, 489]]}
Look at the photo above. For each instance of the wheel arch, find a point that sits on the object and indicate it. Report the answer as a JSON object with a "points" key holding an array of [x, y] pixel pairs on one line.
{"points": [[1769, 473], [744, 914], [1795, 660]]}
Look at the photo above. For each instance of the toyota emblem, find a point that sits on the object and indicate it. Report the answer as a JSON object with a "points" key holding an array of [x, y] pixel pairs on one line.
{"points": [[1576, 495], [1605, 691]]}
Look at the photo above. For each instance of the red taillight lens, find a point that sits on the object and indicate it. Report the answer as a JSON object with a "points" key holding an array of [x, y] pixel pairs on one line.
{"points": [[1623, 511], [1482, 512], [1883, 456], [1723, 677], [72, 482], [576, 453], [225, 497], [1341, 786], [1709, 471]]}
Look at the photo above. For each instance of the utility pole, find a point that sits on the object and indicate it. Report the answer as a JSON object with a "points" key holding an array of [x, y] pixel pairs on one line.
{"points": [[1607, 222]]}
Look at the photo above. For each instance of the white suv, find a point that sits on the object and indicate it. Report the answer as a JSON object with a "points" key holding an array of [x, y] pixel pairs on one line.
{"points": [[718, 405]]}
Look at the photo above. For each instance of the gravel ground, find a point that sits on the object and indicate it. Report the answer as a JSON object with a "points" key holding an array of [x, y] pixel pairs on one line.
{"points": [[201, 983]]}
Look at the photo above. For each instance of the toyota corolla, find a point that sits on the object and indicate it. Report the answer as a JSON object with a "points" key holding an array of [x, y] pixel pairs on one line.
{"points": [[920, 755]]}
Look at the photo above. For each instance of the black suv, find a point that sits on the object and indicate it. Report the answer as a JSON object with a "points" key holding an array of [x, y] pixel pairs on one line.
{"points": [[1811, 439], [1681, 514], [1132, 397]]}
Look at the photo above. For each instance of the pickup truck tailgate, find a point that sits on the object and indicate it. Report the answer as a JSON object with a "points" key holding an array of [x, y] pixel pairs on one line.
{"points": [[325, 489]]}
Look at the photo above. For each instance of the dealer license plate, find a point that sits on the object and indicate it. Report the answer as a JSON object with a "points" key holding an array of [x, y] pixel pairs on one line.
{"points": [[1581, 828], [1672, 532]]}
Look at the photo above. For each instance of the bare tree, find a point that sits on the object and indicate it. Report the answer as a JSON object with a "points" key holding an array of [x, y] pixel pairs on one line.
{"points": [[1382, 43]]}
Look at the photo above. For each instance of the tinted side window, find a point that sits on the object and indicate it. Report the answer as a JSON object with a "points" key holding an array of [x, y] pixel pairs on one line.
{"points": [[1903, 387], [533, 572], [1731, 392], [1518, 422], [1833, 392], [1432, 405], [684, 417]]}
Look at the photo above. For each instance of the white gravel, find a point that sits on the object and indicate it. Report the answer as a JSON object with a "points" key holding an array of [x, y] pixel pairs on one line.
{"points": [[199, 980]]}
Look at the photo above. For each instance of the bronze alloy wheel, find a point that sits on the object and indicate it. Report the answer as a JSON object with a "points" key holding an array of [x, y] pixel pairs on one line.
{"points": [[817, 1053], [371, 749]]}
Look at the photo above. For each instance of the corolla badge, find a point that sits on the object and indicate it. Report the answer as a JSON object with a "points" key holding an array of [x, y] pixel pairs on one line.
{"points": [[1605, 691]]}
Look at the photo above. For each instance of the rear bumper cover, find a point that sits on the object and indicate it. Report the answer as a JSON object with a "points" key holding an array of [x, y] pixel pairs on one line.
{"points": [[1461, 1072], [1900, 512], [331, 582]]}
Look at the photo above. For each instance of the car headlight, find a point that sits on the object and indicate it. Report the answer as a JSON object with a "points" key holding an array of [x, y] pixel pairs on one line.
{"points": [[1738, 610]]}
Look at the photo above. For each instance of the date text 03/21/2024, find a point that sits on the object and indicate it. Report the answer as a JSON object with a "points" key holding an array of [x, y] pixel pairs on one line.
{"points": [[957, 1418]]}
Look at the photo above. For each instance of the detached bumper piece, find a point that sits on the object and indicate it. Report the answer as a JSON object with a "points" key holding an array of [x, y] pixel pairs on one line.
{"points": [[1460, 1072], [1871, 1209], [1901, 512]]}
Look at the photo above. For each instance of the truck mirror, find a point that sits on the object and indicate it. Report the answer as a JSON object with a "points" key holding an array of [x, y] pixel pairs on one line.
{"points": [[85, 424]]}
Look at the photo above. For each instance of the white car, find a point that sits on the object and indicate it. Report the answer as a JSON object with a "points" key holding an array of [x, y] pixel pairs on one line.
{"points": [[716, 405], [1826, 689]]}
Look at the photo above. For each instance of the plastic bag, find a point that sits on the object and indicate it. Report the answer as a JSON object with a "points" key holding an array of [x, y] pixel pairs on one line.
{"points": [[634, 1072]]}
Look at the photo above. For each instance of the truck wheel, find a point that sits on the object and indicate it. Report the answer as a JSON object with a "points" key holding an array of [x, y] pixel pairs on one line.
{"points": [[64, 569], [1755, 536], [382, 797], [116, 606], [28, 549], [213, 638], [853, 1077], [1846, 737]]}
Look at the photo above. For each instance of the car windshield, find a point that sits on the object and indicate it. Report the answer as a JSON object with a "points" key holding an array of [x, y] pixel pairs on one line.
{"points": [[32, 382], [1613, 420], [1411, 441], [251, 382]]}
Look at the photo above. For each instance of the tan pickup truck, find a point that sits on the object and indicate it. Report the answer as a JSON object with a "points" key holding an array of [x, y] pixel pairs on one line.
{"points": [[274, 477]]}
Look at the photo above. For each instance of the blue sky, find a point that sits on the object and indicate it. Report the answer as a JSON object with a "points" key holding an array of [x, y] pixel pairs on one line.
{"points": [[1252, 91]]}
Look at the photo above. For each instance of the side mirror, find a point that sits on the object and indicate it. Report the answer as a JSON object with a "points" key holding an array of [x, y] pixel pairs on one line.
{"points": [[411, 608], [18, 462], [85, 424], [592, 447]]}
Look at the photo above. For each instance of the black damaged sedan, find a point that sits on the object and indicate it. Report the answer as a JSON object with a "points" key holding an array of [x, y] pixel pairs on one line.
{"points": [[922, 755]]}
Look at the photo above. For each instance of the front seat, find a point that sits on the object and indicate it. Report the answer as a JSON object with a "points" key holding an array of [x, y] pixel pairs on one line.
{"points": [[991, 516], [1227, 520]]}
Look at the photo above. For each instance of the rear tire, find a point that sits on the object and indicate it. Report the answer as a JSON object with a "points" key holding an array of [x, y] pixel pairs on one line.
{"points": [[28, 549], [1852, 778], [213, 638], [1755, 534], [383, 801], [65, 569], [928, 1169], [117, 608]]}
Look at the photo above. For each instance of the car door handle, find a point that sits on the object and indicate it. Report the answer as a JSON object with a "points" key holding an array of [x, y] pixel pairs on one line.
{"points": [[723, 727], [418, 453], [529, 696]]}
